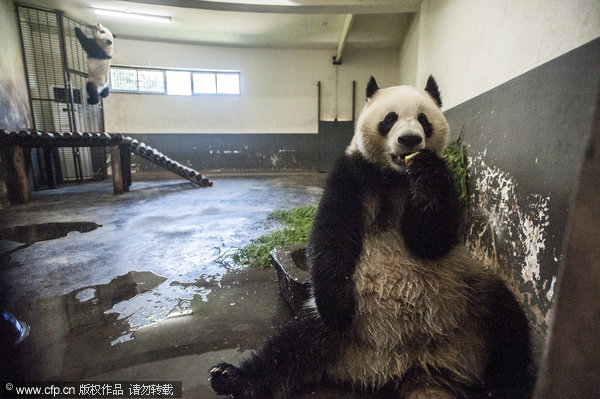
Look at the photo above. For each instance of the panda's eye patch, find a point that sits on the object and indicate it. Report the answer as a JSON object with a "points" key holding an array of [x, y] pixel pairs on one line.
{"points": [[102, 32], [427, 128], [386, 124]]}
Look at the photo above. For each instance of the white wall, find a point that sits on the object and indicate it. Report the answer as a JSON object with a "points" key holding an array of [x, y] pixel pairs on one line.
{"points": [[359, 66], [409, 53], [471, 46], [279, 89], [14, 104]]}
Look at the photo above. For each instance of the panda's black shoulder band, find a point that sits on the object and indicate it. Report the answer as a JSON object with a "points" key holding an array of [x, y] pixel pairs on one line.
{"points": [[90, 46]]}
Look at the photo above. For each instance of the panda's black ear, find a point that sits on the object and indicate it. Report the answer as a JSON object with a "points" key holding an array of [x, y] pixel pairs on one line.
{"points": [[432, 88], [371, 87]]}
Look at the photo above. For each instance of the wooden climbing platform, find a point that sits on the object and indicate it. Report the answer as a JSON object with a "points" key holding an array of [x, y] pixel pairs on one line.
{"points": [[120, 146]]}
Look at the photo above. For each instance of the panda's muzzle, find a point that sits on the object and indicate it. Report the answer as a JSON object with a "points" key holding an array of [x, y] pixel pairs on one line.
{"points": [[407, 143], [410, 140]]}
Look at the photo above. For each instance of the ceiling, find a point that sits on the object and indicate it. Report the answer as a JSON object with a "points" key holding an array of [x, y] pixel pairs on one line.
{"points": [[319, 24]]}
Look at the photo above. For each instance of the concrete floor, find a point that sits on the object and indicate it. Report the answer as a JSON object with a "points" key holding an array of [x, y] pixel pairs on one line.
{"points": [[131, 287]]}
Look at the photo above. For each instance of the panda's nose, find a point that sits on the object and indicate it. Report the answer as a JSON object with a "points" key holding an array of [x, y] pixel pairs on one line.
{"points": [[410, 140]]}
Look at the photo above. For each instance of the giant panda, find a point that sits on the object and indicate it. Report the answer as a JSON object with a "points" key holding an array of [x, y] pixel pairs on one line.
{"points": [[398, 308], [99, 51]]}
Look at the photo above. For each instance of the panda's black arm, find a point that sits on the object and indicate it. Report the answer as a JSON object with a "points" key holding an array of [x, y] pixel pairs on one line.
{"points": [[431, 216], [90, 46], [335, 242]]}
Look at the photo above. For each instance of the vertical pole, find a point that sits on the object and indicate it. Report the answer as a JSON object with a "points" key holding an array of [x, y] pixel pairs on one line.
{"points": [[115, 159], [69, 91], [319, 100], [353, 100], [65, 70]]}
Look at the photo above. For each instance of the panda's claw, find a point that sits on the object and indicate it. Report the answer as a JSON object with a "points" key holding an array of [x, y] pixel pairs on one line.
{"points": [[226, 379]]}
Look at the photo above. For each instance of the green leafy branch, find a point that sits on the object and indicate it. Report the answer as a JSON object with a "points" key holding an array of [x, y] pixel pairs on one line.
{"points": [[297, 222], [458, 163]]}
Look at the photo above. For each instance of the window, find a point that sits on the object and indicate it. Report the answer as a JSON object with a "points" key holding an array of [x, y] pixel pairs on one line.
{"points": [[151, 81], [205, 83], [178, 83], [137, 80], [228, 83], [173, 82]]}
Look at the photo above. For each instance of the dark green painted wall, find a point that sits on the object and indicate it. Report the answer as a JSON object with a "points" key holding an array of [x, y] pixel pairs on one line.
{"points": [[259, 152], [526, 141]]}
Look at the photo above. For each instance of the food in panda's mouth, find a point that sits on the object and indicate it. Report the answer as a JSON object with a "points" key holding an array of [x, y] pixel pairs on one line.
{"points": [[403, 159], [409, 156]]}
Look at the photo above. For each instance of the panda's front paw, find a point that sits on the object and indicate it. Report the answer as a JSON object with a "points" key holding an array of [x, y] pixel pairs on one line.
{"points": [[428, 171], [226, 379]]}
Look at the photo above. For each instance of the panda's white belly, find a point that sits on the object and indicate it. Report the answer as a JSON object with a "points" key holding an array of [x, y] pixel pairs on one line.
{"points": [[410, 312], [98, 72]]}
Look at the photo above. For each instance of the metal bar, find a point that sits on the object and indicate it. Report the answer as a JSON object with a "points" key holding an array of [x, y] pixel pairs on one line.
{"points": [[319, 100], [66, 75], [353, 100]]}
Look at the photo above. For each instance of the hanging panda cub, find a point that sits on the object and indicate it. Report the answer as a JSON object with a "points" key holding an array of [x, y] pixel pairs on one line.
{"points": [[99, 49], [397, 307]]}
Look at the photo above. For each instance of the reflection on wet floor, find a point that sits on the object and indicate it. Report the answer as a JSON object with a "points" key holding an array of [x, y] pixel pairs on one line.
{"points": [[238, 312], [30, 234], [44, 231], [146, 294]]}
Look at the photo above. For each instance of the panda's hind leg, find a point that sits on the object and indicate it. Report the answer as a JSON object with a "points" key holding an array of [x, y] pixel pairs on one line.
{"points": [[105, 92], [291, 361], [510, 373], [92, 91]]}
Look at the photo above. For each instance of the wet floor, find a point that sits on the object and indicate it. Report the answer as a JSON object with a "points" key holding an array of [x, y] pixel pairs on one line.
{"points": [[134, 287]]}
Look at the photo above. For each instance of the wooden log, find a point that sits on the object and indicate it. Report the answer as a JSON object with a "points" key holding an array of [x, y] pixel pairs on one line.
{"points": [[115, 163], [18, 163], [125, 166], [49, 166]]}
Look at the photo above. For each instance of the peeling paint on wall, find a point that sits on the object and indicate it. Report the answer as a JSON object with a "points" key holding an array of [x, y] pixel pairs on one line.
{"points": [[508, 233]]}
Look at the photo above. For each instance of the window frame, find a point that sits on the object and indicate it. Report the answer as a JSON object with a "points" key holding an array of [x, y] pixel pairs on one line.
{"points": [[164, 73]]}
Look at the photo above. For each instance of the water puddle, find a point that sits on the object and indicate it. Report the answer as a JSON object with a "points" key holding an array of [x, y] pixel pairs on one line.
{"points": [[87, 307], [16, 238], [44, 231]]}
